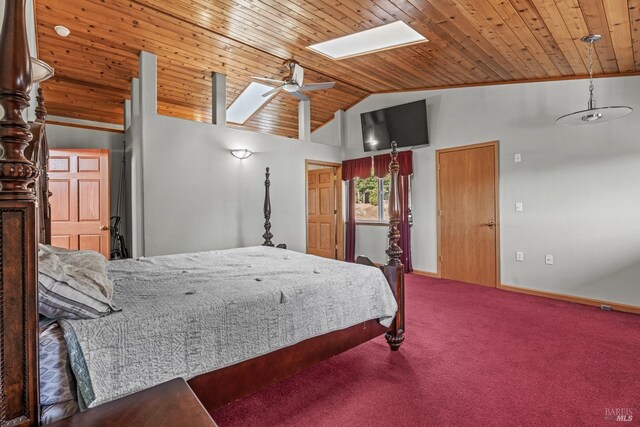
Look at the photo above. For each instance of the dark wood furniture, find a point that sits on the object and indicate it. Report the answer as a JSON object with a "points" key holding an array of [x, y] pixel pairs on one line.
{"points": [[24, 221], [168, 404]]}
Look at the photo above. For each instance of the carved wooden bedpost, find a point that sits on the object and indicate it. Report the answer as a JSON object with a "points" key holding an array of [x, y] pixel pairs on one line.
{"points": [[18, 230], [267, 236], [44, 195], [394, 270]]}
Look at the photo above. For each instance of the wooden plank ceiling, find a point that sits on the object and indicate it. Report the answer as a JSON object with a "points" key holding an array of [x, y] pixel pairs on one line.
{"points": [[471, 42]]}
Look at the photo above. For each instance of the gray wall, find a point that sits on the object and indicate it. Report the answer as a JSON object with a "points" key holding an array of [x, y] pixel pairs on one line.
{"points": [[579, 185]]}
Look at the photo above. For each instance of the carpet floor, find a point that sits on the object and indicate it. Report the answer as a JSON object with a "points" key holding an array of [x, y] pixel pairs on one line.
{"points": [[473, 356]]}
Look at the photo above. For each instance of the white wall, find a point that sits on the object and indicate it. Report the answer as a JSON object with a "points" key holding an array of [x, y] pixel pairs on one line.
{"points": [[197, 196], [579, 185]]}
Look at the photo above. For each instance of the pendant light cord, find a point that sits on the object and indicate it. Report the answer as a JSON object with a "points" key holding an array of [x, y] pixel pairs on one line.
{"points": [[592, 100]]}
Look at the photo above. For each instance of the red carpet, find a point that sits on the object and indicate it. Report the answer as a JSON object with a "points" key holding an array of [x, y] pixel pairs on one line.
{"points": [[473, 356]]}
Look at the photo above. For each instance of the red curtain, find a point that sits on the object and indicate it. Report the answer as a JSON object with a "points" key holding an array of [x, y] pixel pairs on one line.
{"points": [[350, 244], [405, 226], [356, 168], [381, 164]]}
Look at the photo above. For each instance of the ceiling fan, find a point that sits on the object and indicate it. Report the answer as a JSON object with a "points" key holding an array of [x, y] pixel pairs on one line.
{"points": [[293, 84]]}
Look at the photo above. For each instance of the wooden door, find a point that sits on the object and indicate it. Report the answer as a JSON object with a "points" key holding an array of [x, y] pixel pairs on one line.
{"points": [[468, 214], [321, 213], [79, 183]]}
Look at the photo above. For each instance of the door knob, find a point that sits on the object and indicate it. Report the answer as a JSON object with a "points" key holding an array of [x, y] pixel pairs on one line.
{"points": [[490, 223], [104, 228]]}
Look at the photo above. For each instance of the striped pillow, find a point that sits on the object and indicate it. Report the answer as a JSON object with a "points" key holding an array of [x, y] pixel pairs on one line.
{"points": [[73, 285]]}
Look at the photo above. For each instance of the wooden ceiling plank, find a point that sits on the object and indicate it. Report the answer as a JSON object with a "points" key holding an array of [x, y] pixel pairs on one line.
{"points": [[550, 14], [617, 12], [634, 20], [574, 19], [464, 32], [496, 37], [538, 28], [513, 19], [596, 21]]}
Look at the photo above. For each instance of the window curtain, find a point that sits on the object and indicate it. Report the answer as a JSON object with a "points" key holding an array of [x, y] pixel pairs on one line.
{"points": [[381, 169], [381, 164], [356, 168], [404, 188]]}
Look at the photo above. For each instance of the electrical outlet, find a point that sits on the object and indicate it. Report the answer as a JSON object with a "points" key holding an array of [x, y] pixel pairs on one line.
{"points": [[518, 206], [519, 256], [517, 158], [548, 259]]}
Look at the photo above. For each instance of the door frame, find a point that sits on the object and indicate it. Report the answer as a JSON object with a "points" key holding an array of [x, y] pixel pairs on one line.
{"points": [[338, 191], [496, 145]]}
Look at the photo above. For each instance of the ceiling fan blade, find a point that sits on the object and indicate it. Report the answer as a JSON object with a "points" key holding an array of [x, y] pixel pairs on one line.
{"points": [[272, 91], [298, 74], [300, 96], [318, 86], [264, 79]]}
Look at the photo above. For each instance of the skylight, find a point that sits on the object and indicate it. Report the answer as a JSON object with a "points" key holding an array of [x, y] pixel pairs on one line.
{"points": [[388, 36], [248, 103]]}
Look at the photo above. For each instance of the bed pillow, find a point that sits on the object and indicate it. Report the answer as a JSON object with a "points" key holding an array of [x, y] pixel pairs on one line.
{"points": [[56, 380], [86, 259], [72, 285]]}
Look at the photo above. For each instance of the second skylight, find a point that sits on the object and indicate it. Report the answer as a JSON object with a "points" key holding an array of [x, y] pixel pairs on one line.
{"points": [[389, 36]]}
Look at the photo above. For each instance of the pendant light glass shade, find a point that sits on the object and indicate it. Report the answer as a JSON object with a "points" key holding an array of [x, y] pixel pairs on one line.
{"points": [[40, 71], [593, 114]]}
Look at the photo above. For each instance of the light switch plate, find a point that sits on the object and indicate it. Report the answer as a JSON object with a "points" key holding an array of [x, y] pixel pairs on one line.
{"points": [[548, 259], [518, 206], [517, 158], [519, 256]]}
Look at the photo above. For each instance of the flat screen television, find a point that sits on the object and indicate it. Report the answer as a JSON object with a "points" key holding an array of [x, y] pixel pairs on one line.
{"points": [[405, 124]]}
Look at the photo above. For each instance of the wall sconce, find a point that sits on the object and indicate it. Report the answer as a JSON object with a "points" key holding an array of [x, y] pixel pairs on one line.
{"points": [[241, 153]]}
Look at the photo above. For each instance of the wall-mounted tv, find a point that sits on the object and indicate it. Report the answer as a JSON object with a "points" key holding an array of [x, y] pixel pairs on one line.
{"points": [[405, 124]]}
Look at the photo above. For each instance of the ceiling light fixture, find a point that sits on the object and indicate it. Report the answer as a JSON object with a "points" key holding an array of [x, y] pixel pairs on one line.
{"points": [[40, 70], [248, 103], [62, 31], [388, 36], [241, 153], [593, 114]]}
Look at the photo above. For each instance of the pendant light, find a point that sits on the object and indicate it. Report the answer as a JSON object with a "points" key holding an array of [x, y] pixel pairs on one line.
{"points": [[593, 114]]}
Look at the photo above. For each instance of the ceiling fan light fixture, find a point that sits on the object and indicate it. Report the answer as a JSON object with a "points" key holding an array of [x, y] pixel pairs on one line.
{"points": [[593, 114], [291, 87]]}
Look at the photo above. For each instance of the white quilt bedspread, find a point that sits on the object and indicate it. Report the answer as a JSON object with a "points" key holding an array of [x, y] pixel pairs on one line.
{"points": [[184, 315]]}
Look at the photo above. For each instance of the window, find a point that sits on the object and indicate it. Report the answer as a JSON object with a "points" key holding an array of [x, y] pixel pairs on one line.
{"points": [[369, 192]]}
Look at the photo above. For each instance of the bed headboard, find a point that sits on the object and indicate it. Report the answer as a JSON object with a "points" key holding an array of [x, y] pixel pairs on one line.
{"points": [[21, 164]]}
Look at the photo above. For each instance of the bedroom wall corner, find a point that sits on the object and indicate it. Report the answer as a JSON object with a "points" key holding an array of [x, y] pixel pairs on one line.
{"points": [[577, 183], [197, 196]]}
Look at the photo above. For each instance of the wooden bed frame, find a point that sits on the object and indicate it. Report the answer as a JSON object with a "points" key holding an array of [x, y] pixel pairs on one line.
{"points": [[25, 221]]}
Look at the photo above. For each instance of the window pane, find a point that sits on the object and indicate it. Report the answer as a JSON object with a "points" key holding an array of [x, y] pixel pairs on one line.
{"points": [[367, 199], [386, 185]]}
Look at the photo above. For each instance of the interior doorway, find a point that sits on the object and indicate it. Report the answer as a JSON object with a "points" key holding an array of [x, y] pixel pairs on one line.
{"points": [[79, 183], [325, 225], [468, 214]]}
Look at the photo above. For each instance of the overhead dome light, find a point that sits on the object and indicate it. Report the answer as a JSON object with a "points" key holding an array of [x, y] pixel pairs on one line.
{"points": [[62, 31], [593, 114]]}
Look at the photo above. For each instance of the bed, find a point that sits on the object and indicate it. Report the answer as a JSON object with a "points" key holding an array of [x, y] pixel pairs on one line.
{"points": [[327, 323]]}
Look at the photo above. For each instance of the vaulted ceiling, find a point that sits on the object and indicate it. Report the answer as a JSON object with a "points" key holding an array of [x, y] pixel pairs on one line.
{"points": [[470, 42]]}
